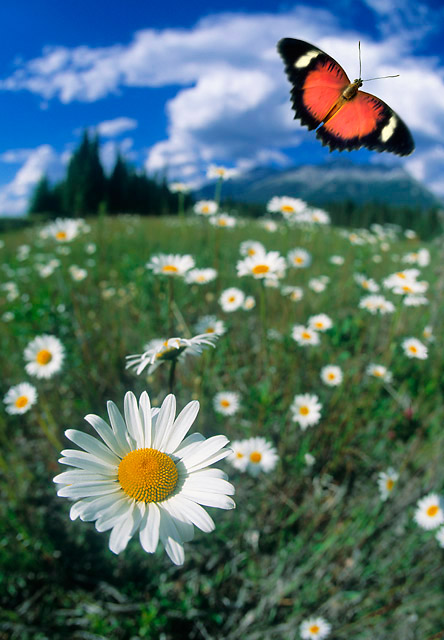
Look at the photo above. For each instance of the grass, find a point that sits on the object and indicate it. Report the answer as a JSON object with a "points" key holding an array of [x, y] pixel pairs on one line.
{"points": [[302, 541]]}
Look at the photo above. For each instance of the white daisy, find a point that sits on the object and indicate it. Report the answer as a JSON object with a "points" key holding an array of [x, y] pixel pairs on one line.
{"points": [[440, 537], [429, 512], [318, 216], [200, 276], [20, 398], [179, 187], [366, 283], [337, 260], [269, 265], [77, 273], [238, 457], [427, 334], [379, 371], [299, 258], [375, 304], [320, 322], [44, 356], [146, 476], [317, 285], [170, 264], [158, 351], [223, 220], [414, 348], [401, 278], [221, 173], [210, 324], [261, 455], [249, 303], [386, 482], [415, 301], [289, 207], [269, 225], [306, 410], [63, 229], [231, 299], [251, 248], [315, 629], [205, 207], [331, 375], [226, 402], [420, 257], [294, 293], [304, 335]]}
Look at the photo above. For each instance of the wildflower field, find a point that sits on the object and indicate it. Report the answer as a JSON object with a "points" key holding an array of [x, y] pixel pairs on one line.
{"points": [[316, 356]]}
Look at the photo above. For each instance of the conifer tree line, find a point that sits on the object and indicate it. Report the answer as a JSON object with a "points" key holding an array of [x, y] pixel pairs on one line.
{"points": [[86, 189]]}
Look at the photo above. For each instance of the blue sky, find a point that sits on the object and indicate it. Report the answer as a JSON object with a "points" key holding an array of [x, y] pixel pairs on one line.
{"points": [[177, 86]]}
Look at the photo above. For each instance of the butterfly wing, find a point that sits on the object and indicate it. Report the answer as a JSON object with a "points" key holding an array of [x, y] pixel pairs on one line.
{"points": [[318, 80], [366, 121]]}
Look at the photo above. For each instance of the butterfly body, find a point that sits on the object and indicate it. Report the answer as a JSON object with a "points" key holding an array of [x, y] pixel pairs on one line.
{"points": [[346, 118]]}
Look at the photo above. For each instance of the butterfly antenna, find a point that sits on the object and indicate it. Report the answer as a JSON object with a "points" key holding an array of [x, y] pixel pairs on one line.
{"points": [[359, 49], [381, 78]]}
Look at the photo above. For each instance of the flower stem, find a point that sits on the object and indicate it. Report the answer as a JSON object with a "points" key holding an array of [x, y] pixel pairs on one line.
{"points": [[217, 191], [171, 377]]}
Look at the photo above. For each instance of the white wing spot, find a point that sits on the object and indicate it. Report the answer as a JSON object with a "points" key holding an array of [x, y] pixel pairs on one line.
{"points": [[389, 129], [305, 60]]}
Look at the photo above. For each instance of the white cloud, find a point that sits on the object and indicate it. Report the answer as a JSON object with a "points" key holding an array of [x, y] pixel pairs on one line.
{"points": [[14, 196], [109, 151], [232, 104], [113, 128]]}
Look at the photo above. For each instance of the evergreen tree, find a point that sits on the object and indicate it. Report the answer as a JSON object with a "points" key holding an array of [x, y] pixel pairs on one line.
{"points": [[84, 187], [45, 199], [119, 192]]}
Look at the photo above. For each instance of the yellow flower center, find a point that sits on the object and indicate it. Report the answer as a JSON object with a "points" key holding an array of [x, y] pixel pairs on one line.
{"points": [[331, 376], [239, 454], [210, 330], [433, 510], [147, 475], [231, 299], [169, 268], [299, 260], [407, 289], [251, 252], [205, 209], [224, 403], [314, 628], [306, 335], [389, 484], [319, 325], [61, 235], [221, 222], [200, 278], [255, 457], [21, 402], [220, 171], [412, 348], [260, 268], [378, 373], [287, 208], [44, 356], [303, 411]]}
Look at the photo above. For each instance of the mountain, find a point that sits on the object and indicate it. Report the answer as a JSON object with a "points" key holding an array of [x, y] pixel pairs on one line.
{"points": [[335, 181]]}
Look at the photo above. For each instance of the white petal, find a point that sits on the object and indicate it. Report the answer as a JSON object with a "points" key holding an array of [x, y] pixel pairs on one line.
{"points": [[109, 518], [88, 489], [121, 534], [208, 473], [88, 465], [215, 485], [170, 538], [182, 425], [77, 509], [145, 416], [132, 419], [92, 445], [223, 453], [194, 513], [209, 499], [204, 450], [97, 507], [188, 444], [119, 426], [184, 526], [164, 422], [107, 434], [78, 475], [149, 528]]}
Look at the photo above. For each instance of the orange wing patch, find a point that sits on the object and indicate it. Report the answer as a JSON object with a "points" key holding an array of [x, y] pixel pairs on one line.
{"points": [[357, 118], [323, 87]]}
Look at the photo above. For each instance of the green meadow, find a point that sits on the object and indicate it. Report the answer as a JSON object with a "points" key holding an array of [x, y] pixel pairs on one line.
{"points": [[304, 539]]}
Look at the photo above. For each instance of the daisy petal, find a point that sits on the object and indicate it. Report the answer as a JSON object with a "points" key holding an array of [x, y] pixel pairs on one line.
{"points": [[145, 417], [92, 445], [209, 499], [182, 425], [119, 426], [195, 513], [170, 538], [107, 435], [132, 419], [164, 422], [149, 529]]}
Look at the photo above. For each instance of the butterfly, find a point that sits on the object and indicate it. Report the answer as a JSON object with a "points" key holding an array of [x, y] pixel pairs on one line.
{"points": [[322, 94]]}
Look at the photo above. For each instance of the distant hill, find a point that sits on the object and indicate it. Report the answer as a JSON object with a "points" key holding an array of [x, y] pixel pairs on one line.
{"points": [[336, 181]]}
